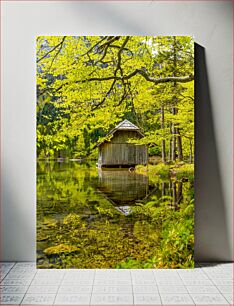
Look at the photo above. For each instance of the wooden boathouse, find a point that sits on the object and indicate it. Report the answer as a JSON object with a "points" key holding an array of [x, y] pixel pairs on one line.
{"points": [[117, 151]]}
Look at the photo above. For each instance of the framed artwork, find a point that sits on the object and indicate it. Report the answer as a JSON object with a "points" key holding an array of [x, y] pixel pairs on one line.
{"points": [[115, 152]]}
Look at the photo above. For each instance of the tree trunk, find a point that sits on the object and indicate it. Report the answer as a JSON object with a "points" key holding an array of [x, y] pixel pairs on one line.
{"points": [[163, 140], [179, 193], [173, 153], [169, 146], [179, 145], [174, 197], [163, 189], [170, 193], [191, 151], [173, 141]]}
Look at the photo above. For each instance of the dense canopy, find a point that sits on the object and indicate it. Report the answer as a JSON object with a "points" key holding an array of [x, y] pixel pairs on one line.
{"points": [[86, 85]]}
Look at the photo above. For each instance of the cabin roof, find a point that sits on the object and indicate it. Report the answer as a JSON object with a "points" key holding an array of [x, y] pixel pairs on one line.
{"points": [[125, 125]]}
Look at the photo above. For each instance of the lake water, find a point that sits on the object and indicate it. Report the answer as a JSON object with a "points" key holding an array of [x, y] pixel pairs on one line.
{"points": [[88, 218]]}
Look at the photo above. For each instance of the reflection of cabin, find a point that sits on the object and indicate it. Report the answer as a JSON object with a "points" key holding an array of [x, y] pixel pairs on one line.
{"points": [[116, 151], [122, 187]]}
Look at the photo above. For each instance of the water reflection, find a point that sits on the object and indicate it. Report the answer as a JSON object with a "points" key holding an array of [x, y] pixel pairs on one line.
{"points": [[100, 204], [123, 187]]}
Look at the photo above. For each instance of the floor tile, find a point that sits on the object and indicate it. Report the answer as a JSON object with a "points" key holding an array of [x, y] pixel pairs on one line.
{"points": [[112, 273], [142, 273], [45, 282], [16, 282], [65, 289], [196, 282], [178, 299], [209, 299], [195, 277], [171, 282], [49, 277], [53, 271], [229, 298], [165, 271], [3, 275], [147, 279], [78, 276], [26, 264], [225, 289], [222, 282], [22, 270], [145, 289], [11, 299], [19, 276], [210, 284], [21, 273], [38, 298], [115, 277], [189, 271], [7, 264], [112, 282], [111, 299], [104, 289], [123, 271], [220, 277], [4, 270], [13, 289], [81, 270], [72, 299], [143, 282], [75, 281], [164, 289], [165, 276], [202, 289], [43, 289], [147, 299]]}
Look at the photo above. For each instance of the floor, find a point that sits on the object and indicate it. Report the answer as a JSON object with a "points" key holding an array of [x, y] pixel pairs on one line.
{"points": [[207, 284]]}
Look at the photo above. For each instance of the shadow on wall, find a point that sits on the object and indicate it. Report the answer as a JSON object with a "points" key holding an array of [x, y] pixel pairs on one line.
{"points": [[211, 232]]}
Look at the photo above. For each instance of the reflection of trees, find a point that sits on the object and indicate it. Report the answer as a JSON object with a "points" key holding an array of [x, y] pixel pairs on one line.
{"points": [[70, 212], [175, 189], [64, 188]]}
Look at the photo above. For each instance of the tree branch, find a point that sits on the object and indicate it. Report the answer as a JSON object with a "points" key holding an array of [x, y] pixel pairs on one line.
{"points": [[156, 81], [109, 41], [55, 47], [106, 95], [118, 67], [94, 45]]}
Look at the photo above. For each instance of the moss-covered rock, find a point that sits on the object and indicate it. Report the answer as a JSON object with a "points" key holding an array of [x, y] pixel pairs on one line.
{"points": [[61, 249]]}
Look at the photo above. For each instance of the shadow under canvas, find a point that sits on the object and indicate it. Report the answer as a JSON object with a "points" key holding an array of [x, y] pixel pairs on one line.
{"points": [[210, 219]]}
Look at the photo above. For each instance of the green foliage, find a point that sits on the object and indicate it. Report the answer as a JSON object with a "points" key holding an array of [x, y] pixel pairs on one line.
{"points": [[154, 151], [161, 170], [185, 171], [128, 264], [177, 245], [77, 104]]}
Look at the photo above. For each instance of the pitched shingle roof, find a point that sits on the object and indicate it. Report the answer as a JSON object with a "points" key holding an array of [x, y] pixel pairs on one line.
{"points": [[124, 125]]}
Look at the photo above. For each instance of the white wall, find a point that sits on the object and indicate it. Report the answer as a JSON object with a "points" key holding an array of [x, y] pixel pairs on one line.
{"points": [[211, 24]]}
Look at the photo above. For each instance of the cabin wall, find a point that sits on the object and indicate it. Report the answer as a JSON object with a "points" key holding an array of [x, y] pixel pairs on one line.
{"points": [[124, 136], [123, 154]]}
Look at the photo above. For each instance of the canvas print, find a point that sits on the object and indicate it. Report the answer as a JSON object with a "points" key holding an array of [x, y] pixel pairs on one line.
{"points": [[115, 152]]}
